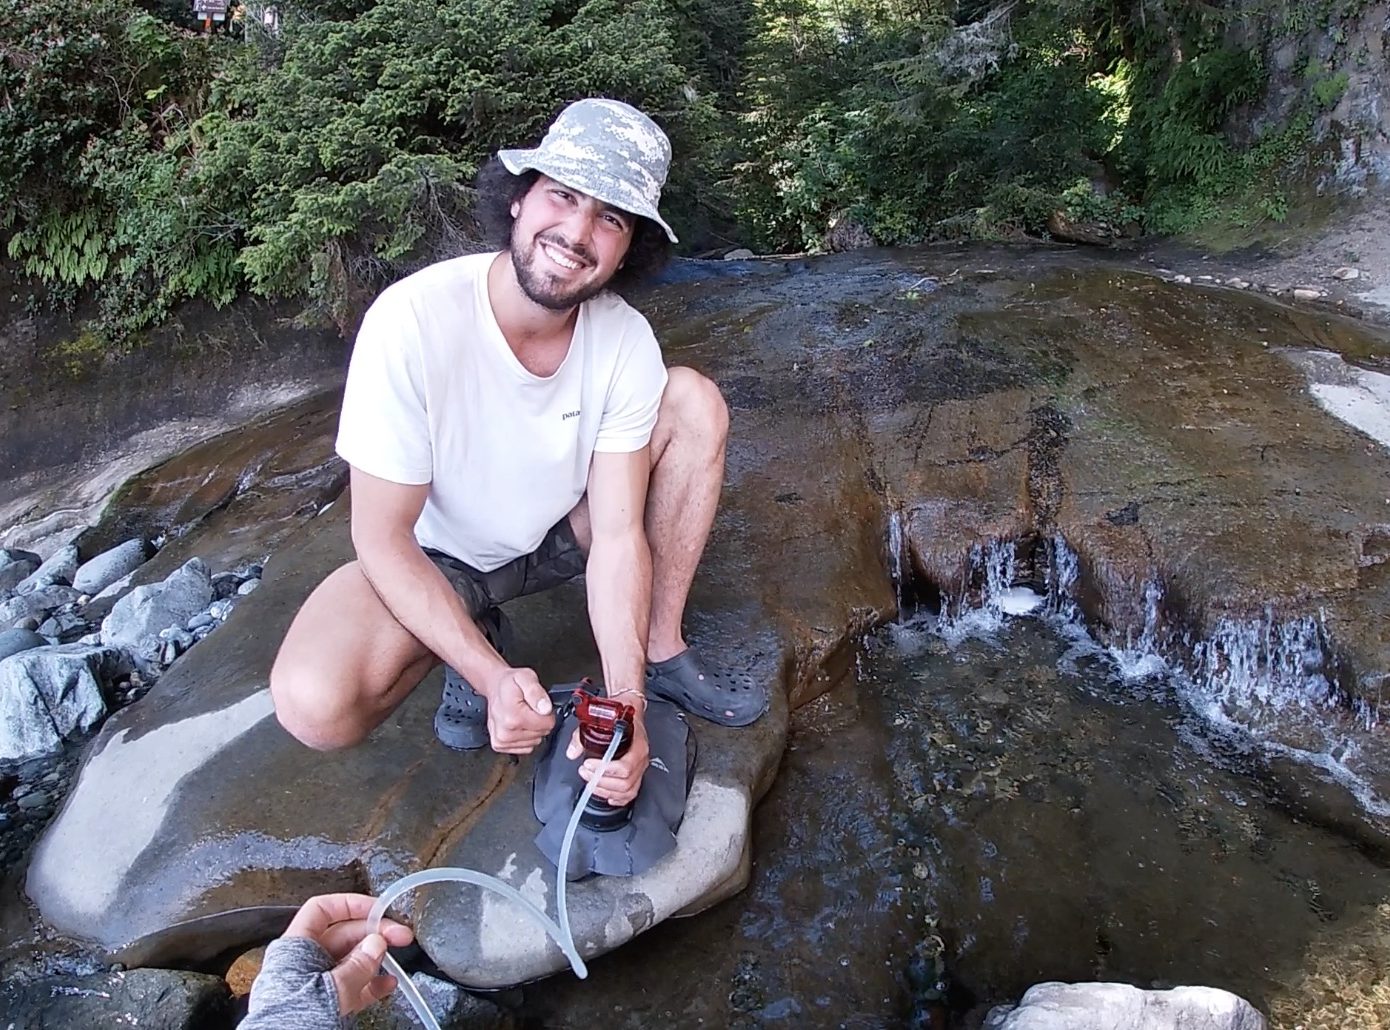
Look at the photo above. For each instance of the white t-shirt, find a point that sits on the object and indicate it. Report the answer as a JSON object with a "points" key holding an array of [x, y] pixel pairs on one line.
{"points": [[435, 395]]}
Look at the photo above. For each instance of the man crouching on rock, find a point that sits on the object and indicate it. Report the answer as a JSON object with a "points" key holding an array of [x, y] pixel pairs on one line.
{"points": [[510, 425]]}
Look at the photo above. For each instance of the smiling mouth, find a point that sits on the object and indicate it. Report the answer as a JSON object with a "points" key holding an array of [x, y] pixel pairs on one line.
{"points": [[559, 257]]}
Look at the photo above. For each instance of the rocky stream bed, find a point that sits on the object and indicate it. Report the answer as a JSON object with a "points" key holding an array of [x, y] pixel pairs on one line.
{"points": [[1073, 583]]}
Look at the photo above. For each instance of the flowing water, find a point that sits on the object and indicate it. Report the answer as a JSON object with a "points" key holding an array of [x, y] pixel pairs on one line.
{"points": [[1005, 794]]}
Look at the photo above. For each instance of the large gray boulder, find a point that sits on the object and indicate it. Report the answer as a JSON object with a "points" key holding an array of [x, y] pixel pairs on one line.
{"points": [[96, 574], [59, 568], [151, 999], [141, 614], [51, 694], [1107, 1006]]}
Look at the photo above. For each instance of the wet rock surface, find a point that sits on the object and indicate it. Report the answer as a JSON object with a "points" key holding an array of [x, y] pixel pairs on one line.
{"points": [[1155, 432], [152, 999], [203, 843]]}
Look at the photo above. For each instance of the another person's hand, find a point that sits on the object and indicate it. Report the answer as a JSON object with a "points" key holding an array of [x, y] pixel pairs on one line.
{"points": [[519, 713], [338, 922], [623, 777]]}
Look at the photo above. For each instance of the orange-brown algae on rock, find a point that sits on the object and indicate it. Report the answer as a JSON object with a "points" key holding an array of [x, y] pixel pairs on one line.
{"points": [[244, 970]]}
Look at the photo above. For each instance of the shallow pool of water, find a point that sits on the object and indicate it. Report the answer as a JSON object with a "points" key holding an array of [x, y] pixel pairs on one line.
{"points": [[1013, 798]]}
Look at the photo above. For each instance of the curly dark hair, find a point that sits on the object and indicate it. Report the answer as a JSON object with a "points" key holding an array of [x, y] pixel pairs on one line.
{"points": [[498, 189]]}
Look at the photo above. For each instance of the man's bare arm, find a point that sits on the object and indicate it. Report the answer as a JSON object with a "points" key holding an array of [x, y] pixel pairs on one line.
{"points": [[422, 601], [619, 575], [619, 570]]}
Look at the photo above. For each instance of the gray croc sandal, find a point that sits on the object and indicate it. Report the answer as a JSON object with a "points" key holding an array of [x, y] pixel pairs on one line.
{"points": [[725, 698], [460, 721]]}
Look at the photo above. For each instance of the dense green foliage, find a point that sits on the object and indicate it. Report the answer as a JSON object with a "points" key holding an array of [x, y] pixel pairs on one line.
{"points": [[145, 164]]}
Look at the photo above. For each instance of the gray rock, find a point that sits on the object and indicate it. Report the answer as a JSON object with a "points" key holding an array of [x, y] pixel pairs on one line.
{"points": [[35, 800], [36, 603], [1347, 274], [1104, 1006], [225, 584], [739, 254], [170, 653], [219, 610], [15, 572], [59, 568], [248, 587], [14, 554], [13, 641], [98, 573], [50, 694], [452, 1006], [115, 589], [62, 624], [200, 621], [146, 610], [151, 999]]}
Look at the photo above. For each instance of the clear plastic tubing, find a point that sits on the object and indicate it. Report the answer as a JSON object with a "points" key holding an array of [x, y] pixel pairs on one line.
{"points": [[559, 933]]}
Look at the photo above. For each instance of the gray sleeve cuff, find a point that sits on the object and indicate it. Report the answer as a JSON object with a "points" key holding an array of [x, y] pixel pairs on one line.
{"points": [[293, 990]]}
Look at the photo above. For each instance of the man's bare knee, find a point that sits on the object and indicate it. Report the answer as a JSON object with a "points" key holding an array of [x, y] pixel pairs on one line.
{"points": [[322, 723], [692, 404]]}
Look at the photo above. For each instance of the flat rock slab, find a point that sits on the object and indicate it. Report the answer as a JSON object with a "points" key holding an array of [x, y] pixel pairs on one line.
{"points": [[215, 823]]}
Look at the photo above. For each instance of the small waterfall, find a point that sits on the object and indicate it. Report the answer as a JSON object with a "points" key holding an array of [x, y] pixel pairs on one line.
{"points": [[1268, 682], [1063, 569], [990, 576], [1266, 666], [1141, 659], [897, 552]]}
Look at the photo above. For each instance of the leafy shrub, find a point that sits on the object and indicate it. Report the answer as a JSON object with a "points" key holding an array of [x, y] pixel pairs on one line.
{"points": [[95, 167], [352, 155]]}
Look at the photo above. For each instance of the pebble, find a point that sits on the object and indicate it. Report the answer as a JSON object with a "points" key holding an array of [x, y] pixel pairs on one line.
{"points": [[1184, 279], [1306, 293], [248, 587], [200, 621], [221, 609], [1237, 283], [37, 799], [1347, 274], [170, 653]]}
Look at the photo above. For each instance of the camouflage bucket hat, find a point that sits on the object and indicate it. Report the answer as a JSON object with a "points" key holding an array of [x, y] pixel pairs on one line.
{"points": [[607, 149]]}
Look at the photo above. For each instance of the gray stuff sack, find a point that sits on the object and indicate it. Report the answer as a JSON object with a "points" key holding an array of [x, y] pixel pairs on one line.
{"points": [[650, 835]]}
